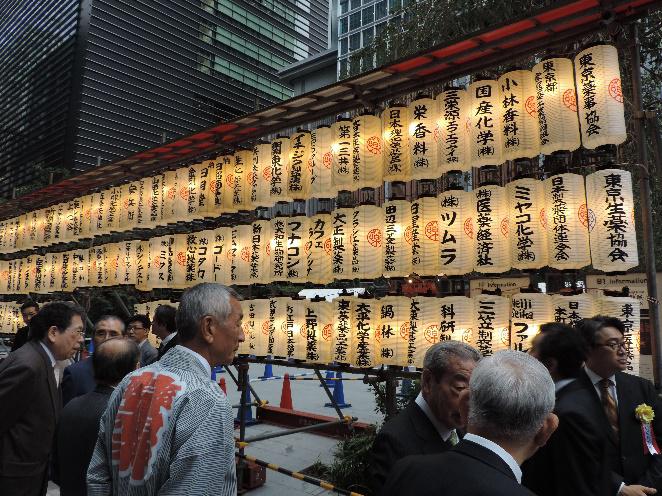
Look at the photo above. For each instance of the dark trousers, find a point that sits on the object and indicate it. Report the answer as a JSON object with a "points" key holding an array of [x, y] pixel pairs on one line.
{"points": [[24, 486]]}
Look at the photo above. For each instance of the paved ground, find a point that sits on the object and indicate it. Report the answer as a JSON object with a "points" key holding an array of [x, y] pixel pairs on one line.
{"points": [[295, 451]]}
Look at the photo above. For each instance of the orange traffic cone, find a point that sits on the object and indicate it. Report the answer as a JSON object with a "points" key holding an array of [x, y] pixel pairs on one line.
{"points": [[223, 387], [286, 395]]}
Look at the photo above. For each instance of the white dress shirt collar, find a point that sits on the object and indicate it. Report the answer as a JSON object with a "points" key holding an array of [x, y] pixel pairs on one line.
{"points": [[48, 352], [558, 385], [443, 431], [497, 450], [199, 357], [167, 339]]}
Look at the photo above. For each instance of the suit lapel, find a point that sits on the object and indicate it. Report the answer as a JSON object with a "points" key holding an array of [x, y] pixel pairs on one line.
{"points": [[427, 435], [50, 375], [627, 402], [599, 412], [486, 456]]}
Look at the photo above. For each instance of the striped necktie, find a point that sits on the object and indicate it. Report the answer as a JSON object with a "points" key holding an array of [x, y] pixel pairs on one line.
{"points": [[609, 404]]}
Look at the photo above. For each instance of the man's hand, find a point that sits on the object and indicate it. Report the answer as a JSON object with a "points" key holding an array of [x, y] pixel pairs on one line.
{"points": [[635, 490]]}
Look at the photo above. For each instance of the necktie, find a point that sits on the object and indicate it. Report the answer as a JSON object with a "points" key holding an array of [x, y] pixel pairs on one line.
{"points": [[454, 439], [609, 404]]}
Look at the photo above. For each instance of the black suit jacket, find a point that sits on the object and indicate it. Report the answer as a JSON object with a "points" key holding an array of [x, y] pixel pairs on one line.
{"points": [[77, 380], [21, 338], [574, 460], [29, 408], [76, 437], [169, 345], [408, 433], [625, 456], [468, 469]]}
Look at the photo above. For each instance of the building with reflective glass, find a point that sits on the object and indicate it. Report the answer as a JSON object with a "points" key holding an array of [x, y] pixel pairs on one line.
{"points": [[91, 81]]}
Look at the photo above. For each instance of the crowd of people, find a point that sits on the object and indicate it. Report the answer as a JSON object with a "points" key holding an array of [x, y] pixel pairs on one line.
{"points": [[563, 419]]}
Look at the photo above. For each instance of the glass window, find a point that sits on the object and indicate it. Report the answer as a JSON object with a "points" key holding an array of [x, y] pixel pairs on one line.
{"points": [[380, 10], [343, 68], [355, 4], [355, 41], [379, 28], [355, 21], [344, 6], [342, 25], [368, 36], [394, 5], [343, 46], [406, 2], [367, 62], [368, 15], [355, 65]]}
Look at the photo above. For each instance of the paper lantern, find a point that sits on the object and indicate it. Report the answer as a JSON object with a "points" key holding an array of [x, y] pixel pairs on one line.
{"points": [[261, 178], [456, 235], [422, 115], [298, 180], [259, 264], [277, 338], [181, 201], [47, 236], [177, 259], [112, 214], [452, 131], [241, 254], [191, 259], [341, 262], [142, 265], [601, 112], [490, 226], [319, 249], [366, 241], [341, 148], [519, 117], [72, 222], [342, 329], [367, 149], [79, 269], [5, 277], [423, 330], [154, 197], [556, 102], [129, 207], [321, 175], [491, 333], [297, 235], [396, 253], [38, 275], [259, 314], [628, 311], [528, 221], [485, 143], [18, 280], [567, 222], [95, 267], [206, 173], [528, 312], [242, 185], [365, 322], [248, 328], [221, 256], [318, 331], [395, 134], [204, 256], [425, 236], [280, 166], [278, 248], [22, 230], [390, 347], [111, 256], [159, 260], [295, 324], [571, 309], [169, 196], [143, 203], [59, 222], [611, 220], [457, 319]]}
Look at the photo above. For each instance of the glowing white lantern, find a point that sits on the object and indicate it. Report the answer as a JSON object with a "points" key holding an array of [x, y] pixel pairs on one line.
{"points": [[628, 311], [397, 239], [318, 330], [155, 201], [601, 112], [223, 185], [259, 264], [519, 117], [295, 325], [395, 133], [319, 249], [341, 263], [206, 173], [342, 155], [367, 151], [422, 146], [321, 175], [298, 180], [278, 248], [528, 312], [490, 226], [242, 184], [365, 322], [366, 242], [241, 254], [528, 221], [158, 269], [485, 144], [277, 338], [424, 328], [204, 257], [259, 313], [280, 166], [59, 223], [556, 102], [248, 328], [611, 220], [95, 268], [457, 319], [169, 196], [390, 346], [491, 333], [571, 309], [222, 256], [79, 268], [128, 211], [456, 235], [261, 178], [111, 264], [142, 265], [297, 235], [177, 260], [342, 329], [452, 133], [425, 236]]}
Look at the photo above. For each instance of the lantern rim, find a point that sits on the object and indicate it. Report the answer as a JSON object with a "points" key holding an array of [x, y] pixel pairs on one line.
{"points": [[323, 126]]}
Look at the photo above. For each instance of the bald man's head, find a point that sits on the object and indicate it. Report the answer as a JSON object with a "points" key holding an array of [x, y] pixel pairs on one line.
{"points": [[114, 359]]}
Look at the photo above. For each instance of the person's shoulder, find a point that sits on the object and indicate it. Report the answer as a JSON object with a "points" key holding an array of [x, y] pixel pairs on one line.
{"points": [[79, 365], [401, 420], [27, 356]]}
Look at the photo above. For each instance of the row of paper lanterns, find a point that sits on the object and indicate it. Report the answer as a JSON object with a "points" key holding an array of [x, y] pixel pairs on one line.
{"points": [[10, 317], [529, 224], [520, 115]]}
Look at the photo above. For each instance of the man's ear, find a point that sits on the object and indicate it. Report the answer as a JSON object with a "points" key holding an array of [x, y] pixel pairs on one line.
{"points": [[464, 405], [426, 379], [207, 329], [548, 427], [52, 333]]}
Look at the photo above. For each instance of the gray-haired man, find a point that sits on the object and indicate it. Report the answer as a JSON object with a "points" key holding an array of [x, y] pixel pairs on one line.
{"points": [[428, 425], [169, 428], [509, 408]]}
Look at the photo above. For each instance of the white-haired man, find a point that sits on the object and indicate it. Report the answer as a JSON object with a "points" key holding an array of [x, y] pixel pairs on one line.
{"points": [[168, 428], [509, 416]]}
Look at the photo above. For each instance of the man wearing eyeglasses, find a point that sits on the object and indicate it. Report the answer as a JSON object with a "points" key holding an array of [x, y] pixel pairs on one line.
{"points": [[137, 328], [634, 472]]}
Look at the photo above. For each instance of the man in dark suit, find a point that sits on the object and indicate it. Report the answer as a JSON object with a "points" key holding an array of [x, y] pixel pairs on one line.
{"points": [[78, 378], [164, 327], [509, 416], [137, 328], [428, 425], [615, 395], [28, 310], [79, 423], [574, 460], [30, 401]]}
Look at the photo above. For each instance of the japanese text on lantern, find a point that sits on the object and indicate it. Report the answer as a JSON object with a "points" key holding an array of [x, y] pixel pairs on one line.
{"points": [[616, 223], [486, 316], [484, 234], [484, 110], [524, 220], [589, 93]]}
